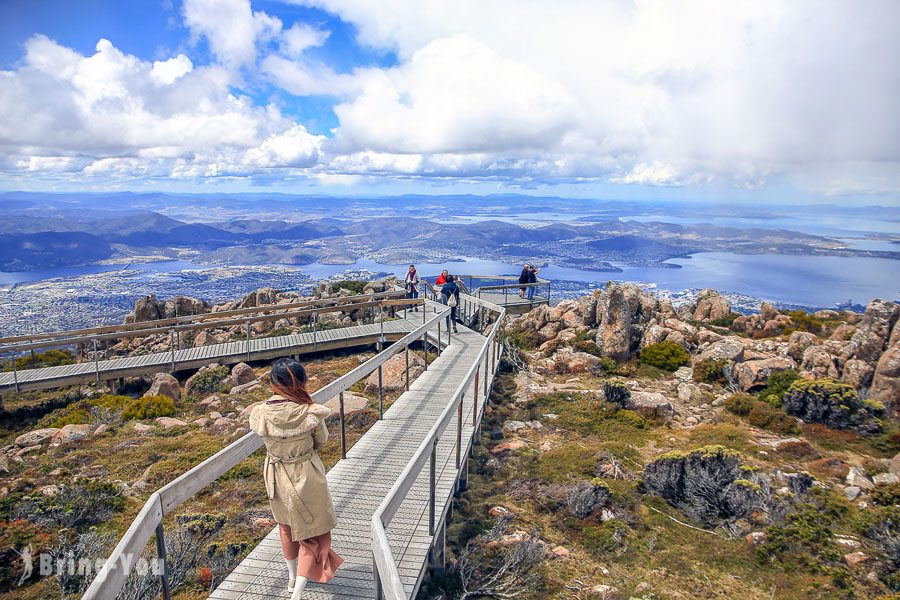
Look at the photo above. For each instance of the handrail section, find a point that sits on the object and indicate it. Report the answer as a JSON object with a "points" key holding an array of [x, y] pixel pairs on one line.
{"points": [[109, 581], [387, 572]]}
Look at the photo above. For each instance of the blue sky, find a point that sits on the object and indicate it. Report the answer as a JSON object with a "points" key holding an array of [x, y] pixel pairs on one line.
{"points": [[756, 101]]}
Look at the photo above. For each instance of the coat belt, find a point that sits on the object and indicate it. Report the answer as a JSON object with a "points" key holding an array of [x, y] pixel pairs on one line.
{"points": [[273, 461]]}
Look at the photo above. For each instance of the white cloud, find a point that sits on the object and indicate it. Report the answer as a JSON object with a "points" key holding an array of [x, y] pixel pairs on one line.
{"points": [[300, 37], [735, 92], [113, 115], [231, 28], [166, 72]]}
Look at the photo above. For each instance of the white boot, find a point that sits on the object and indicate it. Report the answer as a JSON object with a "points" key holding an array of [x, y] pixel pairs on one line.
{"points": [[298, 588], [292, 573]]}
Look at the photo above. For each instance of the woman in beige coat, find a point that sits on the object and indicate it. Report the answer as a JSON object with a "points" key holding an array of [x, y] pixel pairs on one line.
{"points": [[293, 428]]}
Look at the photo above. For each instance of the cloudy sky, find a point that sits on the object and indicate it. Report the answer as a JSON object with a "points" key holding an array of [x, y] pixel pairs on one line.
{"points": [[758, 99]]}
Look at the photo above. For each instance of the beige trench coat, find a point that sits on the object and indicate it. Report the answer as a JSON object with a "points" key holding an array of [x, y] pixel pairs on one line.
{"points": [[293, 472]]}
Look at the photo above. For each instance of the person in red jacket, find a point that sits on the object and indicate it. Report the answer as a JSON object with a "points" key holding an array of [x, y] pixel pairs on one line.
{"points": [[442, 278]]}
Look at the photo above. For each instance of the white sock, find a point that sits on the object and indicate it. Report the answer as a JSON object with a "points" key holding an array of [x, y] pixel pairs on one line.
{"points": [[298, 588], [292, 572]]}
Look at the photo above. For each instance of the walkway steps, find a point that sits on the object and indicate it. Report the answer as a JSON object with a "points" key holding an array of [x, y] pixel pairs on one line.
{"points": [[361, 481]]}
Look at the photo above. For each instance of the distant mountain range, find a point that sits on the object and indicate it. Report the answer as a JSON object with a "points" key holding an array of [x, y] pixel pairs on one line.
{"points": [[40, 231]]}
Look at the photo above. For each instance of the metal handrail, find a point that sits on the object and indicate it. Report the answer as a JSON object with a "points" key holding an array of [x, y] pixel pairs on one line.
{"points": [[387, 573], [67, 337], [109, 581]]}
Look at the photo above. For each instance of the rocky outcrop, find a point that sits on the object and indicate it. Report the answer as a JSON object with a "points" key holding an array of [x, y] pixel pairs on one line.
{"points": [[623, 312], [708, 483], [148, 308], [711, 306], [874, 332], [886, 379], [754, 374], [164, 385], [259, 298]]}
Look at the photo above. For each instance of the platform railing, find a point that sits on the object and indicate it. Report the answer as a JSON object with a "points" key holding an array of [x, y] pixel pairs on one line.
{"points": [[161, 503], [244, 318], [388, 583]]}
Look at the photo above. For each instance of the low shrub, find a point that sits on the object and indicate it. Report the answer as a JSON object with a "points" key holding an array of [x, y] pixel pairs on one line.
{"points": [[50, 358], [356, 287], [149, 407], [740, 404], [666, 355], [886, 494], [76, 416], [75, 506], [586, 497], [727, 320], [779, 383], [832, 403], [766, 416], [710, 370], [209, 379], [588, 346]]}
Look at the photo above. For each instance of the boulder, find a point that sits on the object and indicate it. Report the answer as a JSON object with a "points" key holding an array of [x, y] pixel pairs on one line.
{"points": [[711, 306], [895, 464], [72, 432], [393, 374], [242, 373], [871, 339], [852, 492], [855, 558], [623, 311], [181, 306], [259, 297], [147, 308], [858, 478], [571, 361], [245, 388], [819, 363], [38, 437], [858, 373], [510, 446], [352, 403], [605, 592], [514, 426], [650, 401], [141, 429], [885, 479], [164, 385], [169, 422], [886, 379], [799, 342], [730, 349], [754, 374]]}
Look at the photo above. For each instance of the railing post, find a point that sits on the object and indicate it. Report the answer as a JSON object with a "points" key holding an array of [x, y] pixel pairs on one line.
{"points": [[96, 361], [248, 340], [459, 417], [485, 378], [380, 395], [425, 348], [381, 335], [505, 293], [475, 401], [172, 347], [15, 372], [379, 593], [315, 337], [431, 498], [406, 356], [343, 427], [548, 292], [161, 558], [439, 337]]}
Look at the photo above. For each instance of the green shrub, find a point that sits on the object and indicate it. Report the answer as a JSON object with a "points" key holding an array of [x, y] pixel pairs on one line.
{"points": [[727, 320], [354, 286], [886, 494], [833, 403], [710, 370], [766, 416], [50, 358], [111, 402], [779, 383], [150, 407], [667, 356], [75, 417], [588, 346], [524, 339], [209, 380], [740, 404], [77, 506], [608, 364]]}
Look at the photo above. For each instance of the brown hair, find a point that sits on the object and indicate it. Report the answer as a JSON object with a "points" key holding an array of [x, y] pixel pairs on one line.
{"points": [[289, 379]]}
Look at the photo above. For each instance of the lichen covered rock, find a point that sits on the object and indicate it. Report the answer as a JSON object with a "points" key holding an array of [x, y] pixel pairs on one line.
{"points": [[832, 403]]}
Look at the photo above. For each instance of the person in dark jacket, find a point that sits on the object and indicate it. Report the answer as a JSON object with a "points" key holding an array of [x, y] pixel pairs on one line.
{"points": [[532, 278], [451, 290], [523, 278]]}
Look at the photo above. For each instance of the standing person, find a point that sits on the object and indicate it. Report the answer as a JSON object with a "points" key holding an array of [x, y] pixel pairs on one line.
{"points": [[292, 425], [411, 282], [532, 278], [442, 278], [450, 297], [523, 278]]}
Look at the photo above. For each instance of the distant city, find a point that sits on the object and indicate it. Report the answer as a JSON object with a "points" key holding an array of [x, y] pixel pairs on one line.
{"points": [[82, 259]]}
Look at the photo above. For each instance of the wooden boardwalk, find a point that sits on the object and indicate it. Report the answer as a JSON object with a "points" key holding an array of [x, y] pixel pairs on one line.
{"points": [[194, 358], [361, 481]]}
